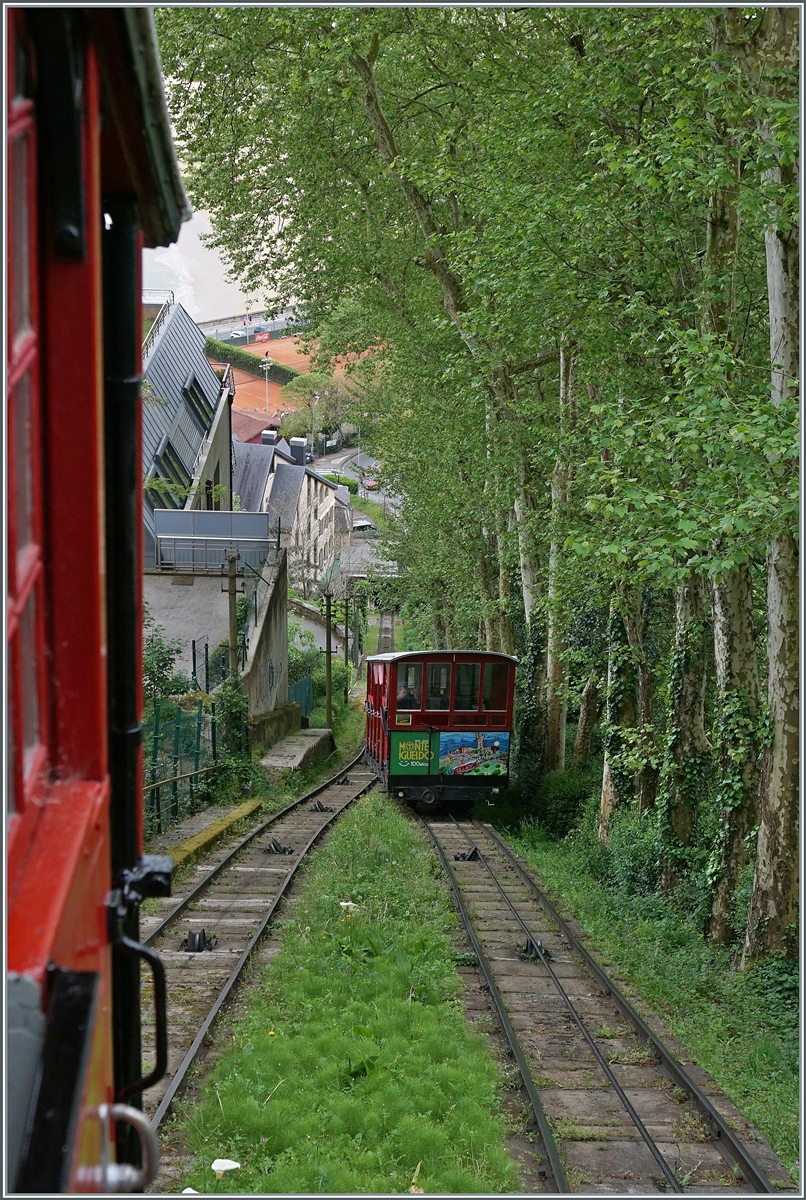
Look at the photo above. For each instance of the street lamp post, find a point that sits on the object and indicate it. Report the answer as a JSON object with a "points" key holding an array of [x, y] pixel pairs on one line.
{"points": [[313, 421], [265, 367]]}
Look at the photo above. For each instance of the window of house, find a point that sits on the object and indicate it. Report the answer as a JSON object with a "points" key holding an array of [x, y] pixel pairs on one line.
{"points": [[25, 665], [438, 689], [466, 695], [167, 485], [197, 402], [496, 681]]}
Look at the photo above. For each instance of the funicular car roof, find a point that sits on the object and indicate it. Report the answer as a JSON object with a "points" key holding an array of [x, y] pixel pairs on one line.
{"points": [[398, 656]]}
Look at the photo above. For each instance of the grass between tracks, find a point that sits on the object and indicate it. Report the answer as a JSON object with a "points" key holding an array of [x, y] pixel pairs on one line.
{"points": [[351, 1065], [741, 1026]]}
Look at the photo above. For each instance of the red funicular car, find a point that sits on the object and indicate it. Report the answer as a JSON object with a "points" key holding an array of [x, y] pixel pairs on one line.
{"points": [[439, 723]]}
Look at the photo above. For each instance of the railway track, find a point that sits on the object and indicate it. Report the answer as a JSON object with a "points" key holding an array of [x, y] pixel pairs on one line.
{"points": [[212, 931], [386, 633], [614, 1110]]}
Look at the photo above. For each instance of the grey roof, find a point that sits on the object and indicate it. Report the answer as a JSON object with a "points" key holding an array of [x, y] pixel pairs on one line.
{"points": [[177, 351], [163, 205], [397, 655], [285, 496], [252, 467]]}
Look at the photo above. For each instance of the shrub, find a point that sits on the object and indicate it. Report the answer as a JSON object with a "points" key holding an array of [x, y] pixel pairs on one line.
{"points": [[303, 656], [160, 678], [346, 481], [560, 796], [634, 862], [245, 361], [232, 710]]}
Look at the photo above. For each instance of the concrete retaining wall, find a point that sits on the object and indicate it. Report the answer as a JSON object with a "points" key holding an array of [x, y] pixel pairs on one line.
{"points": [[265, 677], [269, 728]]}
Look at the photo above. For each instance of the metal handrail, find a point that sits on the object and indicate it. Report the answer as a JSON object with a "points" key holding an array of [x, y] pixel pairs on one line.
{"points": [[205, 555], [175, 778], [159, 321]]}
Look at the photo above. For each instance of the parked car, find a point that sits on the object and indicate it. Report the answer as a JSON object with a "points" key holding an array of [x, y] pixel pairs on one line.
{"points": [[370, 484]]}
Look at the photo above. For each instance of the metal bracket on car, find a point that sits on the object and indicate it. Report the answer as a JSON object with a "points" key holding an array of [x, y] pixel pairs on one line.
{"points": [[150, 876], [111, 1177], [160, 1016]]}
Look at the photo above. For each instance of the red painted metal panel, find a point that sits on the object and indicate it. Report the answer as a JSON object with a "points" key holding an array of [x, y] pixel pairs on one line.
{"points": [[73, 386], [138, 508]]}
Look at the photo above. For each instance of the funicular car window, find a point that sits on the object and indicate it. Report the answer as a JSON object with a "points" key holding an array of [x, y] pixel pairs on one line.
{"points": [[466, 695], [438, 692], [496, 678], [409, 685]]}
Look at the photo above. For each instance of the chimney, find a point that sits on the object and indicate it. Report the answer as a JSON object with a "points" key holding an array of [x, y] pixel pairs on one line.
{"points": [[268, 437], [298, 451]]}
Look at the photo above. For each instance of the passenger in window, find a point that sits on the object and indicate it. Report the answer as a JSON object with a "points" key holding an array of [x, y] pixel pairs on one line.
{"points": [[410, 687]]}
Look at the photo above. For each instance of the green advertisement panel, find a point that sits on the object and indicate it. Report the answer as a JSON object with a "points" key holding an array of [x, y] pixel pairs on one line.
{"points": [[409, 754]]}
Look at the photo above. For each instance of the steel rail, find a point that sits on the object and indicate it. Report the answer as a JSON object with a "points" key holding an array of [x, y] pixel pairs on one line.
{"points": [[186, 901], [534, 946], [730, 1147], [552, 1153], [188, 1060]]}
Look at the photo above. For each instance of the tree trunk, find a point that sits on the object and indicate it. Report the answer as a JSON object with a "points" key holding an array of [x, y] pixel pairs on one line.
{"points": [[448, 625], [617, 786], [438, 614], [556, 667], [687, 749], [636, 628], [737, 724], [524, 508], [588, 716], [773, 918], [505, 627], [770, 60]]}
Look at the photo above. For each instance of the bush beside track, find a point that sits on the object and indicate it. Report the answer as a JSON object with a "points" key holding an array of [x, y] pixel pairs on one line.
{"points": [[352, 1062]]}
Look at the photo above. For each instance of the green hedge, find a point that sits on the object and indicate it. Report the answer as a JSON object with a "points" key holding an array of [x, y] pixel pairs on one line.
{"points": [[245, 361], [346, 481]]}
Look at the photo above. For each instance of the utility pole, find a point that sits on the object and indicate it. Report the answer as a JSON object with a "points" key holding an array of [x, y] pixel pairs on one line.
{"points": [[328, 672], [232, 559], [346, 646]]}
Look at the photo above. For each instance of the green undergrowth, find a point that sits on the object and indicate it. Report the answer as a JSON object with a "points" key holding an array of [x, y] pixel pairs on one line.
{"points": [[741, 1026], [371, 640], [373, 510], [351, 1064]]}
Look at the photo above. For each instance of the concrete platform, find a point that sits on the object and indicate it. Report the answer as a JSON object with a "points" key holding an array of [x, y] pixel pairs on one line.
{"points": [[199, 833], [299, 749]]}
